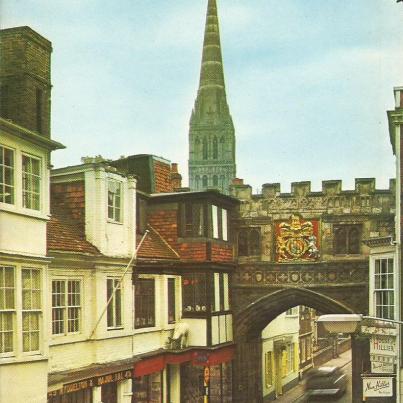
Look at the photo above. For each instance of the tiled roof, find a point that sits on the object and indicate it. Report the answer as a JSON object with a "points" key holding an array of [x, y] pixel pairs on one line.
{"points": [[155, 247], [67, 235]]}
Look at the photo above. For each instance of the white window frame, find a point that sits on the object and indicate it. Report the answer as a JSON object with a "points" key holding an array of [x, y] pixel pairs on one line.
{"points": [[115, 204], [6, 310], [112, 308], [29, 195], [389, 289], [5, 186], [31, 312], [68, 305], [224, 224], [214, 221]]}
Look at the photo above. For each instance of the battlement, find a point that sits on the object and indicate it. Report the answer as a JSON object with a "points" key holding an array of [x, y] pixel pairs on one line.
{"points": [[363, 187]]}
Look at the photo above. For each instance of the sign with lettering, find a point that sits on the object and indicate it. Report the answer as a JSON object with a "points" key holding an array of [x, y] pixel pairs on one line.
{"points": [[383, 345], [388, 359], [386, 331], [377, 386], [91, 382], [382, 367]]}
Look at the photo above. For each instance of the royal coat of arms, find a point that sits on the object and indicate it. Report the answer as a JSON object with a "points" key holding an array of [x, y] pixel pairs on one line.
{"points": [[297, 240]]}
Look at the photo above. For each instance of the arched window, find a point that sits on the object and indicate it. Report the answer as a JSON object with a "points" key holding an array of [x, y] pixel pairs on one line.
{"points": [[243, 243], [215, 148], [205, 153], [254, 242], [215, 180], [205, 181]]}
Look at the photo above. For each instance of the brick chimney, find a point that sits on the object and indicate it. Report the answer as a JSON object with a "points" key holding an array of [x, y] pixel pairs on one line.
{"points": [[176, 177]]}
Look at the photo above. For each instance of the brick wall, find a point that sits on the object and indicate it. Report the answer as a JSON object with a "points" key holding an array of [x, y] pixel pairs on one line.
{"points": [[222, 252]]}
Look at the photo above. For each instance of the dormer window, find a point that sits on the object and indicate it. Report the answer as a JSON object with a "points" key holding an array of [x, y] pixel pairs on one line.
{"points": [[114, 200]]}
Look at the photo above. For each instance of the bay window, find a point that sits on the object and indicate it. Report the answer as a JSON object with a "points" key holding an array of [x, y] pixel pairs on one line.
{"points": [[194, 292]]}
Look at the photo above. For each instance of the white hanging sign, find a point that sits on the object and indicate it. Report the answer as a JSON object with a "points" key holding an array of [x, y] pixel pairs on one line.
{"points": [[377, 386]]}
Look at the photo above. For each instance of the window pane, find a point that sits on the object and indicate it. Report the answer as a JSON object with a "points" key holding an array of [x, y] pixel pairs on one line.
{"points": [[31, 181], [224, 225], [144, 303], [6, 175], [214, 211]]}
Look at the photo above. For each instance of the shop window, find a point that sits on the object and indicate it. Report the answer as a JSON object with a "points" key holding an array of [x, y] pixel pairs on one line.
{"points": [[268, 365], [171, 301], [81, 396], [109, 393], [7, 308], [249, 242], [114, 296], [194, 292], [114, 200], [31, 182], [147, 389], [31, 308], [144, 303], [384, 288], [347, 239], [66, 306], [6, 175]]}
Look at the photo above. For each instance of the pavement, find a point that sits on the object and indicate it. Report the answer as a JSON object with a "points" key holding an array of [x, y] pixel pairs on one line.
{"points": [[296, 394]]}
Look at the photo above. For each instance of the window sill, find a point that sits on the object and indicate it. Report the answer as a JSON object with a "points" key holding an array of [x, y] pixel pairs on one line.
{"points": [[110, 221], [115, 328], [13, 209]]}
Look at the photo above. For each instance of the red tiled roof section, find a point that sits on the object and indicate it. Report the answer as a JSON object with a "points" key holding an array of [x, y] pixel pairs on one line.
{"points": [[66, 234], [155, 247]]}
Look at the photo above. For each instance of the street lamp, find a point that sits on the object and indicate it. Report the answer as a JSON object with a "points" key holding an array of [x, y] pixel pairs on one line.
{"points": [[348, 323], [342, 323]]}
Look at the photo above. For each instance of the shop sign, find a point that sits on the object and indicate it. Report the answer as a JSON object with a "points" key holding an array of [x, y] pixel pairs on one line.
{"points": [[91, 382], [383, 345], [387, 359], [385, 331], [382, 367], [377, 386], [116, 377]]}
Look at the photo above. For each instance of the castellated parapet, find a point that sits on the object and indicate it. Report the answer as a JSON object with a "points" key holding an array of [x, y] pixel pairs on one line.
{"points": [[366, 210]]}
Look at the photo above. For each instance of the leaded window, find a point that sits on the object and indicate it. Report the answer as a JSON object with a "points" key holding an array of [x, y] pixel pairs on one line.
{"points": [[114, 200], [384, 288], [66, 306], [7, 308], [31, 308], [31, 182], [6, 175]]}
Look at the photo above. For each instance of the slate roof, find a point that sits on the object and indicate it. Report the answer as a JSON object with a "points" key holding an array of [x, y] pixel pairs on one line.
{"points": [[154, 246], [67, 234]]}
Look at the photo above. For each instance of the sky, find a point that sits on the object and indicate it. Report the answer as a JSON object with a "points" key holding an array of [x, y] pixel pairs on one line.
{"points": [[308, 81]]}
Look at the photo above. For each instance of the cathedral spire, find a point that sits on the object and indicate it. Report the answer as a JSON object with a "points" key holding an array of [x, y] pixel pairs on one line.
{"points": [[212, 67], [211, 132]]}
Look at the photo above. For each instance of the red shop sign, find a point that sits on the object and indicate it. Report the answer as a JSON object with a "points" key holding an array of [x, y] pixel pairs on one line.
{"points": [[148, 366]]}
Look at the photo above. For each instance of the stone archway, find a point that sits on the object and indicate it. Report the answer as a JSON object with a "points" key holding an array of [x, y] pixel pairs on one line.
{"points": [[249, 324]]}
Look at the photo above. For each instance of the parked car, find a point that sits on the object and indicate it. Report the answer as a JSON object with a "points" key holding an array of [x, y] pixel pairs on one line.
{"points": [[325, 381]]}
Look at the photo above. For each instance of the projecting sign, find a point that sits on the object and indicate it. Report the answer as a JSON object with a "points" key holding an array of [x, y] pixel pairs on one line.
{"points": [[382, 367], [377, 386], [383, 345], [387, 359]]}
